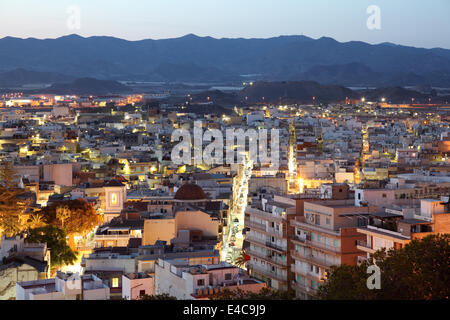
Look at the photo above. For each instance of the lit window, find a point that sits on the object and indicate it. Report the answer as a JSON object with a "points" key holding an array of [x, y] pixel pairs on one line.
{"points": [[115, 282], [114, 199]]}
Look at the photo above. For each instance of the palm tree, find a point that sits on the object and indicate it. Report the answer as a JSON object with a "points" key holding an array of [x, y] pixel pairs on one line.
{"points": [[241, 260], [36, 221]]}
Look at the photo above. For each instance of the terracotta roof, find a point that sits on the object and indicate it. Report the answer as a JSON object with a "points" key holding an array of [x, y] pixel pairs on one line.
{"points": [[114, 183], [190, 192]]}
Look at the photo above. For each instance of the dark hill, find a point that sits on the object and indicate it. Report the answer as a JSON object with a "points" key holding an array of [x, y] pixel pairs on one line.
{"points": [[88, 86], [19, 77], [295, 91], [205, 58]]}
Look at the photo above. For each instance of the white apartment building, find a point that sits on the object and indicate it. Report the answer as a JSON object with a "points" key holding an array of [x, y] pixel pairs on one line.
{"points": [[63, 287]]}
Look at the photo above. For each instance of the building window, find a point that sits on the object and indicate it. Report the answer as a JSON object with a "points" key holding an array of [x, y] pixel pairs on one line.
{"points": [[227, 276], [328, 220], [384, 195], [142, 293], [114, 199], [200, 282], [115, 282], [335, 243]]}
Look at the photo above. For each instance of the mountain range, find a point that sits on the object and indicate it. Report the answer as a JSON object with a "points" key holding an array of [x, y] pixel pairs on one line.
{"points": [[193, 58]]}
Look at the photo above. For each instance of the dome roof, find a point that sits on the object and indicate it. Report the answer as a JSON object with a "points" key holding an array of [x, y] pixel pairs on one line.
{"points": [[190, 192]]}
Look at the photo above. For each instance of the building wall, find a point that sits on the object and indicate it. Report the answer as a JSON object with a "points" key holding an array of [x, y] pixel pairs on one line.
{"points": [[60, 174], [131, 288], [106, 264], [349, 252], [197, 220], [159, 229], [115, 197], [169, 283], [441, 223], [9, 277]]}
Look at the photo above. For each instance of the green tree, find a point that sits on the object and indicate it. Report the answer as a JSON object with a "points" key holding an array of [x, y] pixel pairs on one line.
{"points": [[346, 283], [56, 239], [263, 294], [418, 271], [75, 217], [163, 296]]}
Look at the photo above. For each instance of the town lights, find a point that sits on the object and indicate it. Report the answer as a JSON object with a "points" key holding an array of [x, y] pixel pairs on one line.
{"points": [[301, 183]]}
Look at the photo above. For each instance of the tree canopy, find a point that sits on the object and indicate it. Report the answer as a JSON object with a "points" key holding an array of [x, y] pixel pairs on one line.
{"points": [[163, 296], [60, 252], [74, 216], [418, 271], [12, 206], [263, 294]]}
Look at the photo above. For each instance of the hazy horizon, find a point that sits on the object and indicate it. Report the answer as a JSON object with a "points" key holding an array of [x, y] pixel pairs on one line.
{"points": [[217, 38], [405, 22]]}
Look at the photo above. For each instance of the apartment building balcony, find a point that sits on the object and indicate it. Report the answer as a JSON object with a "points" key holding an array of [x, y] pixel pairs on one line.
{"points": [[315, 244], [383, 232], [255, 225], [303, 287], [266, 243], [268, 258], [276, 247], [308, 274], [364, 246], [253, 239], [264, 215], [268, 273], [114, 236], [311, 259]]}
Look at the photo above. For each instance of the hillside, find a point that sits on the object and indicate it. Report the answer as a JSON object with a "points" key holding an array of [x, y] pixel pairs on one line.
{"points": [[204, 58]]}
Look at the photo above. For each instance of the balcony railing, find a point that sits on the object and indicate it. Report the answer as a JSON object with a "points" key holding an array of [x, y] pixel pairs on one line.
{"points": [[363, 243], [251, 238], [268, 257], [303, 287], [267, 215], [275, 246], [113, 236], [312, 259], [255, 225], [269, 273], [316, 244]]}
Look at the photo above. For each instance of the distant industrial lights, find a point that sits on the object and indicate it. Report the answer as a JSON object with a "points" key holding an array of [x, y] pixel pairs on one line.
{"points": [[363, 99], [383, 99]]}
